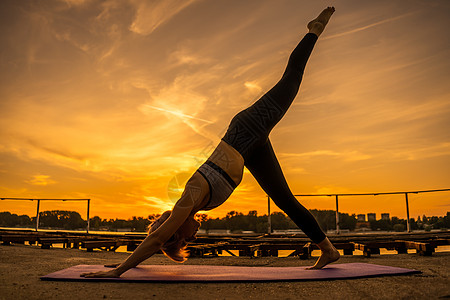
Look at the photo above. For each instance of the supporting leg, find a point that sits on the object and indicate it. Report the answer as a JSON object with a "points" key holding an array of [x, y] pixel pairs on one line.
{"points": [[329, 254], [264, 166]]}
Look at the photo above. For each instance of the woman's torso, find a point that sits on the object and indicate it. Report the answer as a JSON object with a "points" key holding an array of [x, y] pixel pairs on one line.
{"points": [[230, 165], [229, 160]]}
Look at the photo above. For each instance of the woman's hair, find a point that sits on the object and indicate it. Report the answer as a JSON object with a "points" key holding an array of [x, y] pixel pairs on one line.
{"points": [[175, 247]]}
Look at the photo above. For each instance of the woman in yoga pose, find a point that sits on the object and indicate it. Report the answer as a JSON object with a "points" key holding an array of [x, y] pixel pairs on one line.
{"points": [[246, 143]]}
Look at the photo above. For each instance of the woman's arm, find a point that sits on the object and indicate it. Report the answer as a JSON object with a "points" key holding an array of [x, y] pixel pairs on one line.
{"points": [[154, 241], [151, 244]]}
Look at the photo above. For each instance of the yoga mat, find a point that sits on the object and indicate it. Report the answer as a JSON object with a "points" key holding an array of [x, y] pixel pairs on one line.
{"points": [[206, 273]]}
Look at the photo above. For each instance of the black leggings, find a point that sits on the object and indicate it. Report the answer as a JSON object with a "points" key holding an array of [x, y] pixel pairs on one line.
{"points": [[249, 130]]}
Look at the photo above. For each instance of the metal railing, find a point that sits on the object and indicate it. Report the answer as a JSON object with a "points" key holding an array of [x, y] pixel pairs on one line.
{"points": [[268, 204], [361, 194], [39, 202]]}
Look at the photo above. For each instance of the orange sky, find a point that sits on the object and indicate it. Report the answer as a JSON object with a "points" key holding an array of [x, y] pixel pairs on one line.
{"points": [[111, 100]]}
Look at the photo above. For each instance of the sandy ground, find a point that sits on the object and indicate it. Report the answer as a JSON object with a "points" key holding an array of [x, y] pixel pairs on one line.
{"points": [[21, 266]]}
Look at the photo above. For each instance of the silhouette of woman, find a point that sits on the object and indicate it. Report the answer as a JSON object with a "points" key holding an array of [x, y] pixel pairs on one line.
{"points": [[246, 143]]}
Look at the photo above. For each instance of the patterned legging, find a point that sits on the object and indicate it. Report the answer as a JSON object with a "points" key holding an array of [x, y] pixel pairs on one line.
{"points": [[249, 130]]}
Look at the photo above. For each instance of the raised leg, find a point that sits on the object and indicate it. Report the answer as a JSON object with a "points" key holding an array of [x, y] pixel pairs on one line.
{"points": [[250, 128]]}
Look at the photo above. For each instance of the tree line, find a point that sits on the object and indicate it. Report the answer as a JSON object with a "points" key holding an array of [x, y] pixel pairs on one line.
{"points": [[72, 220], [233, 221]]}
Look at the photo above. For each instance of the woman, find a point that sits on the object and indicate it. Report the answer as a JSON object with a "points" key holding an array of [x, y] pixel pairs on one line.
{"points": [[246, 143]]}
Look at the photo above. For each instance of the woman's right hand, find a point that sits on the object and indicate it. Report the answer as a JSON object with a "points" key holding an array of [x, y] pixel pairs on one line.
{"points": [[102, 274]]}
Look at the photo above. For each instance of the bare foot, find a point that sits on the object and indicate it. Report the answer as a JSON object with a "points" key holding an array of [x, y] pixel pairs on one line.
{"points": [[318, 24], [326, 258]]}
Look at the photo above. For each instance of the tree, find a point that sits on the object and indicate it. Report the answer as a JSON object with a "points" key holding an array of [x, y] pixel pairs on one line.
{"points": [[75, 221], [399, 227], [11, 220], [139, 224], [413, 224], [281, 222], [325, 218], [201, 217], [236, 221], [61, 219], [7, 219], [384, 225], [95, 222], [214, 224], [347, 222]]}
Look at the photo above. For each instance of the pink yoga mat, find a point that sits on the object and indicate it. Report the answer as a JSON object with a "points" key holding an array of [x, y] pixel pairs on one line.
{"points": [[205, 273]]}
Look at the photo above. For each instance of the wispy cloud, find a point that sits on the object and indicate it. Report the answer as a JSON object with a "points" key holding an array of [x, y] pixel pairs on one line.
{"points": [[365, 27], [185, 56], [173, 112], [253, 86], [152, 14], [440, 149], [350, 155], [41, 180]]}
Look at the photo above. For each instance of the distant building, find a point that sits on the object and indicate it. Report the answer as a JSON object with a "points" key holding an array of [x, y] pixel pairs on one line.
{"points": [[371, 217], [362, 217], [385, 216]]}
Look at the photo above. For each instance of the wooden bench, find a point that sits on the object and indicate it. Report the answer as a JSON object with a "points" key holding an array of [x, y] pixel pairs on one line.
{"points": [[425, 249], [202, 250], [19, 239], [133, 244], [104, 245], [46, 243]]}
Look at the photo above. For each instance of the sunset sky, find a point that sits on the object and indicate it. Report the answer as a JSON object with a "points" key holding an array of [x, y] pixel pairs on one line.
{"points": [[117, 101]]}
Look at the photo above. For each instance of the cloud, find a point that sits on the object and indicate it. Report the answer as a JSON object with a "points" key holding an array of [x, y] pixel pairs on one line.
{"points": [[185, 99], [184, 56], [418, 153], [152, 14], [157, 203], [362, 28], [41, 180], [74, 2], [253, 86], [349, 155], [172, 112]]}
